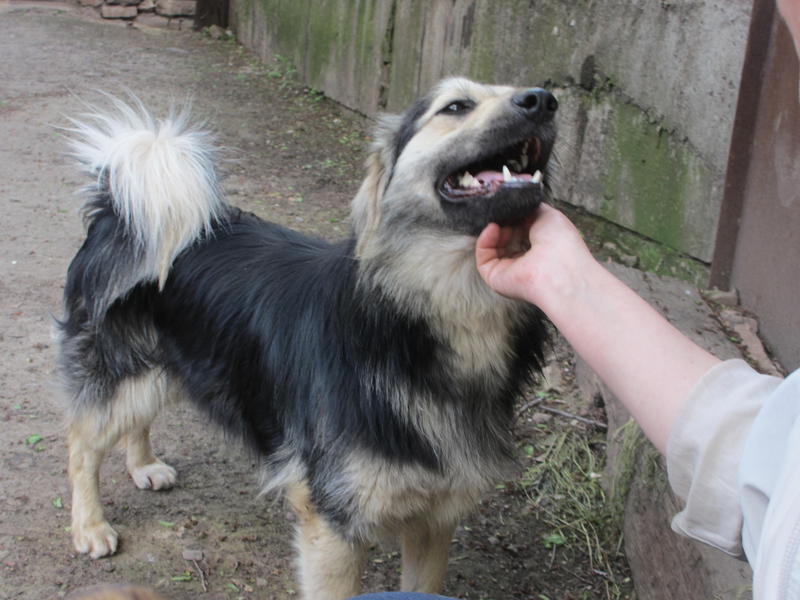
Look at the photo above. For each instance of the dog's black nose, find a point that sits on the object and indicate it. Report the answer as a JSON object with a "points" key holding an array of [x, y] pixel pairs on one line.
{"points": [[538, 105]]}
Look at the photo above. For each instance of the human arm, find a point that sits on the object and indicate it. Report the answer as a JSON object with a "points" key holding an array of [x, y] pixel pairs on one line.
{"points": [[648, 364]]}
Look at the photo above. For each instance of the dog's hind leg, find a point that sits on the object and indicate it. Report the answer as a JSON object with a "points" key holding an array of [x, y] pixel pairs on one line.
{"points": [[425, 549], [329, 566], [145, 396], [93, 431], [147, 472]]}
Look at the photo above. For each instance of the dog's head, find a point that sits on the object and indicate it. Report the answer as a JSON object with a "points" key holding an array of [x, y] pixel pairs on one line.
{"points": [[460, 158]]}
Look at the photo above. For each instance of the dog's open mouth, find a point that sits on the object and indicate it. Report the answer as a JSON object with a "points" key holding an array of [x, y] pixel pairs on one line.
{"points": [[518, 166]]}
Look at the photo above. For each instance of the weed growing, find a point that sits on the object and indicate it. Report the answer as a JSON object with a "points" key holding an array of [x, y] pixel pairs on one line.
{"points": [[564, 485]]}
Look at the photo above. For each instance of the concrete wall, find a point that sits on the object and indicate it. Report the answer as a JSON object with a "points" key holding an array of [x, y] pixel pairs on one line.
{"points": [[647, 88]]}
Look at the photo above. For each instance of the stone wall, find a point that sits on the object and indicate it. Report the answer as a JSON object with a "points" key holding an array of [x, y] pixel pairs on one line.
{"points": [[172, 14], [648, 89]]}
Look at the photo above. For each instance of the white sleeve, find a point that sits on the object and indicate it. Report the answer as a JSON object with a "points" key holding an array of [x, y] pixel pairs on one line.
{"points": [[769, 487], [705, 449]]}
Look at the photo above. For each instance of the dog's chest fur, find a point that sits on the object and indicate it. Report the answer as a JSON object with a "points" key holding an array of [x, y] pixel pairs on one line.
{"points": [[482, 360], [436, 277]]}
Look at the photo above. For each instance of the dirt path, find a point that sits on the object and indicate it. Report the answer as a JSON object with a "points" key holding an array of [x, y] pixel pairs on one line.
{"points": [[297, 161]]}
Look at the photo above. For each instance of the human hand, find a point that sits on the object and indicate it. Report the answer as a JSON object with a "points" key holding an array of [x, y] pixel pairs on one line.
{"points": [[646, 362], [536, 260]]}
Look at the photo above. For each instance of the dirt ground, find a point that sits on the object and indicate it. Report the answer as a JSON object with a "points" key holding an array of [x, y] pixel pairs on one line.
{"points": [[295, 158]]}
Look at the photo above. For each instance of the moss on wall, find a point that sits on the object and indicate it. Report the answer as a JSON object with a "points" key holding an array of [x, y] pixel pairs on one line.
{"points": [[651, 177], [646, 169]]}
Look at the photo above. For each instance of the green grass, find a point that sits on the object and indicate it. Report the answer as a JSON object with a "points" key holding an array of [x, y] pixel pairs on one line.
{"points": [[565, 487]]}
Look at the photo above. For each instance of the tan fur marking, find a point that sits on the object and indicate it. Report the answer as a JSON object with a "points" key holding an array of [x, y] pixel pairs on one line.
{"points": [[329, 566], [425, 552]]}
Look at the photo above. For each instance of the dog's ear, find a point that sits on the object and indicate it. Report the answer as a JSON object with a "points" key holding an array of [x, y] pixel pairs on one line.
{"points": [[391, 135], [380, 165]]}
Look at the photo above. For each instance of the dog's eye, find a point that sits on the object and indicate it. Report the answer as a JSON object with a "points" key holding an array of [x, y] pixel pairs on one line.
{"points": [[458, 107]]}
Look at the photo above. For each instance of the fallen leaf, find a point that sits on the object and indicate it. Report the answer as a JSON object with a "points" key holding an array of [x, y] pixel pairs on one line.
{"points": [[34, 439]]}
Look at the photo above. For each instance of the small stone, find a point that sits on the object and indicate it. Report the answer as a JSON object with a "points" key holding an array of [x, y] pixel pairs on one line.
{"points": [[610, 246], [192, 554], [118, 12], [261, 582], [724, 297], [152, 20], [551, 375], [147, 6], [215, 32]]}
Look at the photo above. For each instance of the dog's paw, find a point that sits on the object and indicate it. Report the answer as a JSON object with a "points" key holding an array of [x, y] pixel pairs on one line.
{"points": [[95, 540], [155, 476]]}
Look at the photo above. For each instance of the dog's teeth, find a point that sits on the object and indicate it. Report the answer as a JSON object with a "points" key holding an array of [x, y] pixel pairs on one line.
{"points": [[467, 180], [506, 174], [537, 177]]}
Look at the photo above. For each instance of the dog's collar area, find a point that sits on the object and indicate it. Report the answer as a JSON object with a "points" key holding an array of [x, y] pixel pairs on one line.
{"points": [[518, 166]]}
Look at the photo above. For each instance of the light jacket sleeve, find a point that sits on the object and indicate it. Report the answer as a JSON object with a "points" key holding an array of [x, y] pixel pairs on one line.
{"points": [[705, 450], [769, 490]]}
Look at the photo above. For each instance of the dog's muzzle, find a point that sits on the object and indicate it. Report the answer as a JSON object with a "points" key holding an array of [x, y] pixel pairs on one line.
{"points": [[506, 184]]}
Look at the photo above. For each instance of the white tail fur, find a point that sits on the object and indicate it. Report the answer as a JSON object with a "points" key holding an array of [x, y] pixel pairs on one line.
{"points": [[159, 173]]}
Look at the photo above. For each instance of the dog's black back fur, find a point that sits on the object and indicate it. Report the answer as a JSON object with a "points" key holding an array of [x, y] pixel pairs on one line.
{"points": [[273, 334]]}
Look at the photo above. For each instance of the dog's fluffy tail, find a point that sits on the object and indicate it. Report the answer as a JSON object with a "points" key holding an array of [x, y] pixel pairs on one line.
{"points": [[158, 177]]}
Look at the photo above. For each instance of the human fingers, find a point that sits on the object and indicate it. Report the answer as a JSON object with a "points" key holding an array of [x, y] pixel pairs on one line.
{"points": [[497, 243], [488, 244]]}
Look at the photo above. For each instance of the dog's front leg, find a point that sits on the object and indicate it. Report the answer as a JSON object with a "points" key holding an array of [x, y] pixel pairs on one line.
{"points": [[426, 547], [329, 566]]}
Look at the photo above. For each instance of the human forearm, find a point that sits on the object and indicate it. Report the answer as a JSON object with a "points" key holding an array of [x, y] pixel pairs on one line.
{"points": [[646, 362]]}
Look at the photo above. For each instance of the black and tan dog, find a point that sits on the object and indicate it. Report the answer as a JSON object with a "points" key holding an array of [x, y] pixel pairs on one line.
{"points": [[374, 377]]}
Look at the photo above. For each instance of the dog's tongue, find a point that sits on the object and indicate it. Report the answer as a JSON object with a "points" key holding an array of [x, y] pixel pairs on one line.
{"points": [[486, 177]]}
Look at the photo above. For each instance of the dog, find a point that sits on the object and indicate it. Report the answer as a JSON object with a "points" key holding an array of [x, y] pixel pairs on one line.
{"points": [[374, 377]]}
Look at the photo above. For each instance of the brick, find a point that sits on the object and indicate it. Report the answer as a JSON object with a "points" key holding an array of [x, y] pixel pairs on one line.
{"points": [[109, 11], [176, 8]]}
